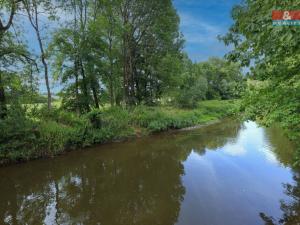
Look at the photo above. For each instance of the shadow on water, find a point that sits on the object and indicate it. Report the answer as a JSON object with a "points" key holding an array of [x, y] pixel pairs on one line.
{"points": [[139, 182]]}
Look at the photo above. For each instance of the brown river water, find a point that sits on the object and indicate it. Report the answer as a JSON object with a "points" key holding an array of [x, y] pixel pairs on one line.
{"points": [[229, 173]]}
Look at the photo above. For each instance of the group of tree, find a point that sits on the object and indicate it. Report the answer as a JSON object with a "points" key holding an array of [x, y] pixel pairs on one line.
{"points": [[104, 51], [212, 79]]}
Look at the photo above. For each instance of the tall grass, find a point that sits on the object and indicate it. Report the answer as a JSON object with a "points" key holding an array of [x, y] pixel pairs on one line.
{"points": [[47, 133]]}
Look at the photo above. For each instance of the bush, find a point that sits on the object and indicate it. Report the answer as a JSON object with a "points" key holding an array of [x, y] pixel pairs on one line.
{"points": [[192, 92], [109, 124], [95, 118], [156, 119], [54, 138], [142, 116], [117, 121], [60, 116], [20, 138]]}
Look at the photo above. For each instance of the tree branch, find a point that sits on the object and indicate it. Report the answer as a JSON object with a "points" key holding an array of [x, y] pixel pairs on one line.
{"points": [[4, 28]]}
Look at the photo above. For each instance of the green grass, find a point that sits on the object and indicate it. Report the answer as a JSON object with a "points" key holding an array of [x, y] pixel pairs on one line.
{"points": [[44, 133]]}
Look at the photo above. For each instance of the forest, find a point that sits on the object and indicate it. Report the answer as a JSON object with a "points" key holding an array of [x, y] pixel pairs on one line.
{"points": [[106, 70]]}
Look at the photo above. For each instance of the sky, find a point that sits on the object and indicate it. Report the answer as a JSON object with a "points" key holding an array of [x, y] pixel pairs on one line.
{"points": [[201, 21]]}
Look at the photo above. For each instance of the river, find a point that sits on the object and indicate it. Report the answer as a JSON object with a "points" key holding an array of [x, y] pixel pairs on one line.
{"points": [[228, 173]]}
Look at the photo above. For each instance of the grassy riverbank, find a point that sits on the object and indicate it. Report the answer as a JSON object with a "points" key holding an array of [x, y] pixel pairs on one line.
{"points": [[43, 133]]}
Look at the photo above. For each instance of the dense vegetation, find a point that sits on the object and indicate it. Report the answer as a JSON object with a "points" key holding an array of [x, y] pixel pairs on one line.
{"points": [[47, 133], [273, 93], [119, 71]]}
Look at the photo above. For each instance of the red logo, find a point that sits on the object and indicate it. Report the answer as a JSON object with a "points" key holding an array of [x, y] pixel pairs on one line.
{"points": [[286, 15]]}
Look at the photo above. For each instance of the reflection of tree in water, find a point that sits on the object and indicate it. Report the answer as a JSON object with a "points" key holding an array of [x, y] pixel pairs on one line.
{"points": [[281, 145], [135, 186], [283, 149], [291, 209], [132, 183], [211, 137]]}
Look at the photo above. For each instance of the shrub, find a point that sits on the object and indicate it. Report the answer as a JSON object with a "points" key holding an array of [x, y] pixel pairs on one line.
{"points": [[109, 124], [19, 136], [53, 138], [143, 116], [116, 121], [60, 116], [95, 118], [192, 91]]}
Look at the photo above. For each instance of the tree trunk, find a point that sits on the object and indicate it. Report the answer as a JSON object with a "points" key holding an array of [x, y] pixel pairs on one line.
{"points": [[111, 86], [46, 78], [84, 87], [111, 90], [128, 72], [44, 63], [76, 86], [3, 107], [94, 90], [125, 72], [131, 76], [34, 20], [3, 29]]}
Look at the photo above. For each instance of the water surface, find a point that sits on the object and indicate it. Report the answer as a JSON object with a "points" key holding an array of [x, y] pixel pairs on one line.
{"points": [[226, 173]]}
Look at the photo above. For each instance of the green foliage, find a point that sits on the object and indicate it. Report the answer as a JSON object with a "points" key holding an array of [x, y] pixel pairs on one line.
{"points": [[213, 79], [52, 132], [273, 95], [18, 136], [112, 124], [53, 138], [156, 119], [225, 80], [193, 90], [270, 103], [110, 51]]}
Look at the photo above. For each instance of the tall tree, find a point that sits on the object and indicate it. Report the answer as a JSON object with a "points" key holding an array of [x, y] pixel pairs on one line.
{"points": [[33, 9], [224, 78], [150, 34], [138, 40], [76, 56], [12, 6], [105, 33]]}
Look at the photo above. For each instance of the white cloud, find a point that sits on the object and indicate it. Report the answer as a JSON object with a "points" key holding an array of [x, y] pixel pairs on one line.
{"points": [[198, 31], [234, 150], [193, 22]]}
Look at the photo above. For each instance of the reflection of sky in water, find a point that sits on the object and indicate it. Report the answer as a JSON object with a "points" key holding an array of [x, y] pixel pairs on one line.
{"points": [[234, 175], [51, 208], [250, 138]]}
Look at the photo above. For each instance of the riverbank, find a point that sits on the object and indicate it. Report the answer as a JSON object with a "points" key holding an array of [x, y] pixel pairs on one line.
{"points": [[46, 133]]}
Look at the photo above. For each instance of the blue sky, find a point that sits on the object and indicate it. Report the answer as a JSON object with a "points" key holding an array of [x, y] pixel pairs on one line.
{"points": [[201, 21]]}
